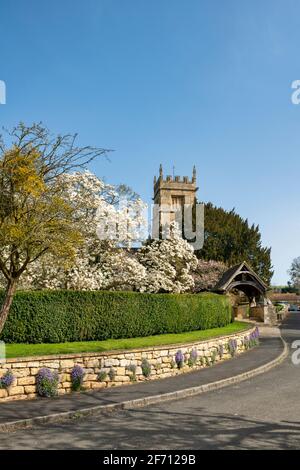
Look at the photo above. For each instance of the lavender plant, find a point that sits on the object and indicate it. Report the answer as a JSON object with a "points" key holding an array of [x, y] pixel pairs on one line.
{"points": [[179, 359], [132, 369], [47, 383], [221, 351], [213, 356], [232, 347], [253, 338], [146, 368], [102, 376], [193, 358], [246, 343], [7, 380], [112, 374], [207, 361], [77, 376]]}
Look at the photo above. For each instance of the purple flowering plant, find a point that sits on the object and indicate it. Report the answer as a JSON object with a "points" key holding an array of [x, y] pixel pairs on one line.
{"points": [[246, 342], [232, 347], [193, 358], [179, 359], [77, 376], [253, 338], [47, 382], [6, 380]]}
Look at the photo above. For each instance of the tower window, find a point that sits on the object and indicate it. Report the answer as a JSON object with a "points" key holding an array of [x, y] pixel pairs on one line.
{"points": [[177, 202]]}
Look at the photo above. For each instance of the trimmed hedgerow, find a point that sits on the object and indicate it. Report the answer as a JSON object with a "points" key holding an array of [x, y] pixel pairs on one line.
{"points": [[61, 316]]}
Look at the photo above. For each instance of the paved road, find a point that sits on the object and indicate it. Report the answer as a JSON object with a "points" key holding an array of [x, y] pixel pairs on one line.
{"points": [[263, 412]]}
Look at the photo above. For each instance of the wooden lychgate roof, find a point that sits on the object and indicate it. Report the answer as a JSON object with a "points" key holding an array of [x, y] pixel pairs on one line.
{"points": [[243, 278]]}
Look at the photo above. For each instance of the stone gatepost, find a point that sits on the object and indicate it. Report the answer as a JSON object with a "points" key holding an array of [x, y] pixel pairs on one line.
{"points": [[264, 311]]}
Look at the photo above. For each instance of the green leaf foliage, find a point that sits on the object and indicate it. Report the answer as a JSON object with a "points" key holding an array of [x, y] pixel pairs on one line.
{"points": [[229, 238], [60, 316]]}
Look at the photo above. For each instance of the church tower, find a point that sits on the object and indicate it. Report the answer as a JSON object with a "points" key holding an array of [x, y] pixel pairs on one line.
{"points": [[171, 194]]}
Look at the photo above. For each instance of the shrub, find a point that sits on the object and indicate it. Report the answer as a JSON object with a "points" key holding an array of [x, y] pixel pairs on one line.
{"points": [[232, 347], [221, 351], [179, 359], [193, 358], [207, 361], [246, 343], [253, 338], [112, 374], [213, 356], [102, 376], [47, 382], [146, 368], [60, 316], [77, 376], [132, 369], [7, 380]]}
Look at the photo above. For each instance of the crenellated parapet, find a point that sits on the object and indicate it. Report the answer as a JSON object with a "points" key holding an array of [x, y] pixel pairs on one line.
{"points": [[168, 186]]}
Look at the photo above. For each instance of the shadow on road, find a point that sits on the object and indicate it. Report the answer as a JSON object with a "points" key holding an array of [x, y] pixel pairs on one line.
{"points": [[157, 429]]}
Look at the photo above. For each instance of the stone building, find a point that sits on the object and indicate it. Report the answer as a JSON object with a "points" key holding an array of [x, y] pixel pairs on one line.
{"points": [[171, 194]]}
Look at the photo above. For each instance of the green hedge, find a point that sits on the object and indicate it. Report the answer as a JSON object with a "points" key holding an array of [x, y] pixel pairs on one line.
{"points": [[60, 316]]}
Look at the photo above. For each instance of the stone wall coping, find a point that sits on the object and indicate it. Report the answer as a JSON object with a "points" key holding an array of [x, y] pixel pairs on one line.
{"points": [[126, 351]]}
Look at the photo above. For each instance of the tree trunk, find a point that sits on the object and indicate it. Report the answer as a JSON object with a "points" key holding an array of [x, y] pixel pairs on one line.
{"points": [[8, 298]]}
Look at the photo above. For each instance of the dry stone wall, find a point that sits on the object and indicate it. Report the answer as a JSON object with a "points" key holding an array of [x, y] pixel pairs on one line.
{"points": [[126, 365]]}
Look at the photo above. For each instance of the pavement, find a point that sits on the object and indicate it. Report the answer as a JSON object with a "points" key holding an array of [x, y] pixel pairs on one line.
{"points": [[270, 352]]}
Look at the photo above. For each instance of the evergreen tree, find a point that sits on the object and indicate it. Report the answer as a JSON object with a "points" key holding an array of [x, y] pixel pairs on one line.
{"points": [[229, 238]]}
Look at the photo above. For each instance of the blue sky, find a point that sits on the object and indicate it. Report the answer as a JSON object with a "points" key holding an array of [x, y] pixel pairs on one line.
{"points": [[205, 82]]}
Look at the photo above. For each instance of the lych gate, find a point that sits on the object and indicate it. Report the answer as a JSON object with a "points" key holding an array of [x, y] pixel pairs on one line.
{"points": [[241, 278]]}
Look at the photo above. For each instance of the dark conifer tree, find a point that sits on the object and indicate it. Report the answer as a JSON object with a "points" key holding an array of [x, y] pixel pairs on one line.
{"points": [[229, 238]]}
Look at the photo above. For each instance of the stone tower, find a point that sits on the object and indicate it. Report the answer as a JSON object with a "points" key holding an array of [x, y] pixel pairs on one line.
{"points": [[171, 194]]}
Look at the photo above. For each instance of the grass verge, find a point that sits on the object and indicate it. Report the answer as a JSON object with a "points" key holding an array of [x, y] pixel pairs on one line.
{"points": [[45, 349]]}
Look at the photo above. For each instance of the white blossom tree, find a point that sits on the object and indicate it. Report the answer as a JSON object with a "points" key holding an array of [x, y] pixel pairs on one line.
{"points": [[99, 263], [168, 264]]}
